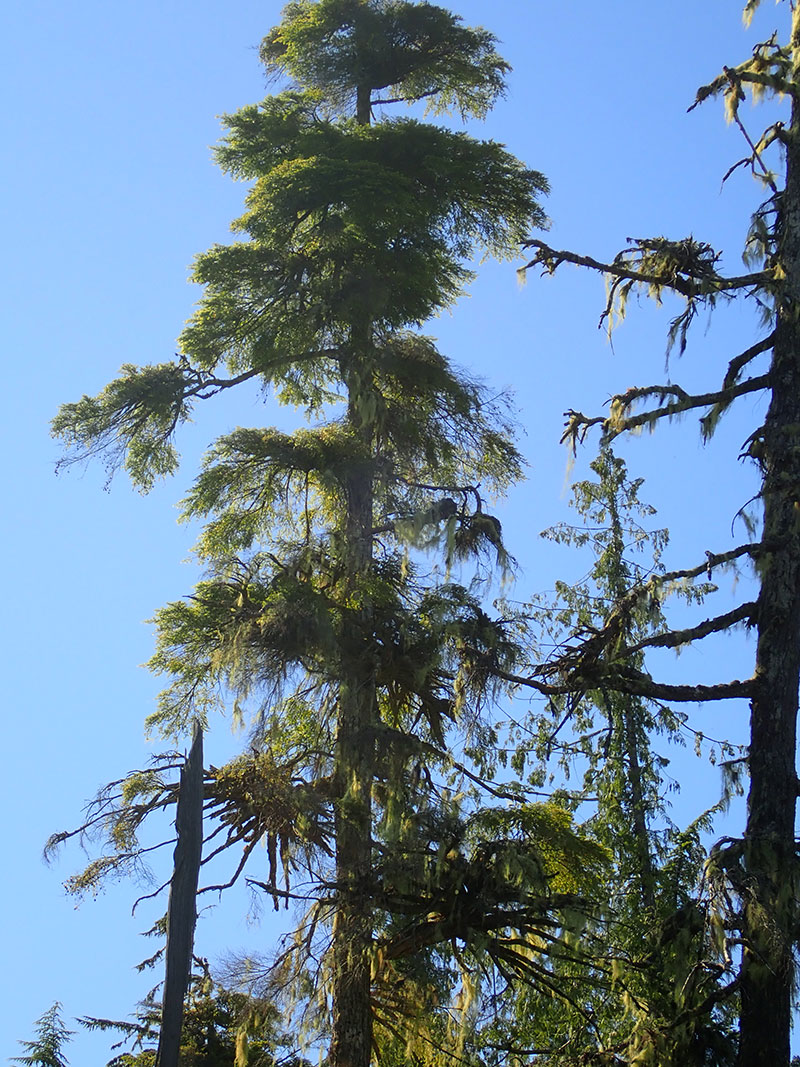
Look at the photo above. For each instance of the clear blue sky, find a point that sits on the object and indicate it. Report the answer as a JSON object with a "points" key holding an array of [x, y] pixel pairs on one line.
{"points": [[110, 191]]}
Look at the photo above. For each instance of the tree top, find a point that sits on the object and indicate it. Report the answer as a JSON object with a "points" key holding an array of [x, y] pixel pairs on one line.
{"points": [[413, 51]]}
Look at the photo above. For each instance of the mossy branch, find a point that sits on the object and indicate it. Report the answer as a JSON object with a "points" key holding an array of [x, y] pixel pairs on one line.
{"points": [[768, 69], [578, 424], [678, 638], [637, 683], [550, 259]]}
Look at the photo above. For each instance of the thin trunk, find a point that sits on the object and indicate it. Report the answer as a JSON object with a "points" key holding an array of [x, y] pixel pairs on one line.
{"points": [[182, 907], [644, 857], [769, 845], [619, 587]]}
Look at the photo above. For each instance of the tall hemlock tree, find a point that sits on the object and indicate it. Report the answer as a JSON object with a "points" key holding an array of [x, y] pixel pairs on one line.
{"points": [[312, 614], [756, 873]]}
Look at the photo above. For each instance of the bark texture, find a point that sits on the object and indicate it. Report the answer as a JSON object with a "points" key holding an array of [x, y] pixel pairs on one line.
{"points": [[769, 849], [182, 908]]}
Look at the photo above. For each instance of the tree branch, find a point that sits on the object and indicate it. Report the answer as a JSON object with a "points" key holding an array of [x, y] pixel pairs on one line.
{"points": [[578, 424], [738, 362], [675, 638], [635, 683], [550, 259]]}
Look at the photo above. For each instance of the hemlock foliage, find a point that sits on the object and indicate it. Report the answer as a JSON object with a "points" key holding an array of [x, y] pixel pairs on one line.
{"points": [[47, 1050]]}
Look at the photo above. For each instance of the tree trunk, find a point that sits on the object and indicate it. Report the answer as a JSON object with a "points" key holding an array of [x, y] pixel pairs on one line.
{"points": [[351, 1044], [351, 1039], [769, 847], [182, 907], [628, 709]]}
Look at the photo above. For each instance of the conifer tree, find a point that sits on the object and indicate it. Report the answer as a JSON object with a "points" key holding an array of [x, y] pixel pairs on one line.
{"points": [[655, 993], [221, 1029], [47, 1050], [757, 872], [312, 615]]}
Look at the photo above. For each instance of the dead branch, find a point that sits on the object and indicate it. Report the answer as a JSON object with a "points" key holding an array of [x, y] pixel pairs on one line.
{"points": [[551, 259], [578, 424], [676, 638]]}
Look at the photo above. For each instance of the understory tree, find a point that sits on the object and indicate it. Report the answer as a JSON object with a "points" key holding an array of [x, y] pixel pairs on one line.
{"points": [[654, 990], [221, 1028], [363, 670], [754, 876], [47, 1049]]}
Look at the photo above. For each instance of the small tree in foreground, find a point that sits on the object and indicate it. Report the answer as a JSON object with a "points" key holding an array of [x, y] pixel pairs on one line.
{"points": [[220, 1029], [46, 1050], [657, 992]]}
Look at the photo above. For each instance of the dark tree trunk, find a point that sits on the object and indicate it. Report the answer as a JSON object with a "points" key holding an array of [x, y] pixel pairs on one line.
{"points": [[769, 848], [182, 908]]}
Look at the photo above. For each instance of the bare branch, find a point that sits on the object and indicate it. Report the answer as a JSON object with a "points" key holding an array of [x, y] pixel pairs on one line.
{"points": [[636, 684], [676, 638], [578, 424], [740, 361], [713, 559], [550, 259], [248, 849]]}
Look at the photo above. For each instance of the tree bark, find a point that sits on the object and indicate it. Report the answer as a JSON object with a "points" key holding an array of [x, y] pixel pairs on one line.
{"points": [[769, 846], [182, 907], [351, 1044]]}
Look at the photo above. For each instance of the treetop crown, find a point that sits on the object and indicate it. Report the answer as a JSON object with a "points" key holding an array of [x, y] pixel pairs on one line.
{"points": [[415, 52]]}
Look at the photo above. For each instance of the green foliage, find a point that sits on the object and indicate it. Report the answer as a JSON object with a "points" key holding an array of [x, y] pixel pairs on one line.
{"points": [[414, 51], [649, 988], [132, 421], [46, 1050], [222, 1028], [359, 673], [348, 224]]}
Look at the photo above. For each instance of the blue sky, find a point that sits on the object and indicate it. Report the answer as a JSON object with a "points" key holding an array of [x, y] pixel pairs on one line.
{"points": [[110, 191]]}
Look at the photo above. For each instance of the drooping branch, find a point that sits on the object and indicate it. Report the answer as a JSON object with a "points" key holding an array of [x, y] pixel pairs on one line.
{"points": [[686, 267], [550, 259], [578, 424], [436, 928]]}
